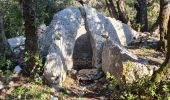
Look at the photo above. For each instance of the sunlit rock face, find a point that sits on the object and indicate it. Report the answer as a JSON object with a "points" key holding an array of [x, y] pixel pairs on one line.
{"points": [[112, 60], [76, 33], [59, 42], [97, 25]]}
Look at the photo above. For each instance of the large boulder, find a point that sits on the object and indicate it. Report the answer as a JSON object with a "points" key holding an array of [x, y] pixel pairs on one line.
{"points": [[97, 25], [112, 60], [133, 71], [55, 69], [58, 43]]}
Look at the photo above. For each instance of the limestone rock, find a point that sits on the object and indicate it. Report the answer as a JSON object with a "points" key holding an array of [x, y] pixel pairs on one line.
{"points": [[63, 32], [41, 38], [112, 60], [97, 25], [89, 74], [1, 85], [54, 68], [61, 35], [134, 71], [17, 44], [17, 69]]}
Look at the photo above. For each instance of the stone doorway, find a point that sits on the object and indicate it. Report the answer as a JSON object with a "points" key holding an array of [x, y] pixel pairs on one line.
{"points": [[82, 53]]}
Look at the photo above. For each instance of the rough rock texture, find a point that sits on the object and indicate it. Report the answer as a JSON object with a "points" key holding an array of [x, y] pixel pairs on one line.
{"points": [[17, 44], [61, 35], [1, 85], [98, 25], [41, 38], [134, 71], [55, 69], [68, 26], [112, 60], [63, 32], [89, 74]]}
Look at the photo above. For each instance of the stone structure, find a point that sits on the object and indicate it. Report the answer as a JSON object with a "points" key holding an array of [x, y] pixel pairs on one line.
{"points": [[112, 60], [65, 39]]}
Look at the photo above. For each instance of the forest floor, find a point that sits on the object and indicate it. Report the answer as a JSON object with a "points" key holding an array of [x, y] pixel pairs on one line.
{"points": [[17, 86]]}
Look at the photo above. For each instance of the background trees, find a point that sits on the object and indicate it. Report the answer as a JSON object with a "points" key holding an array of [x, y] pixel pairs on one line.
{"points": [[164, 31], [4, 46]]}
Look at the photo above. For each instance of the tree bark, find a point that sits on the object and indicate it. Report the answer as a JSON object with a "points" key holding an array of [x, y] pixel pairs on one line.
{"points": [[31, 46], [156, 24], [122, 12], [157, 76], [142, 15], [111, 8], [164, 27], [4, 46]]}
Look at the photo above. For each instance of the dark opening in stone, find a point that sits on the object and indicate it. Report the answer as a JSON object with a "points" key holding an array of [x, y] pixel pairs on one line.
{"points": [[82, 54]]}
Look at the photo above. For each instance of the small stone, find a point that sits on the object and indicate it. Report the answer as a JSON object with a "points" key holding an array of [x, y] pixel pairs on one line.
{"points": [[1, 85], [53, 98], [11, 83], [89, 74], [17, 69]]}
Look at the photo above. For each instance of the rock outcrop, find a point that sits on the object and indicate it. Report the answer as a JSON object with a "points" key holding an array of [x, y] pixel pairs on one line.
{"points": [[57, 42], [112, 60], [55, 69], [133, 71], [97, 25]]}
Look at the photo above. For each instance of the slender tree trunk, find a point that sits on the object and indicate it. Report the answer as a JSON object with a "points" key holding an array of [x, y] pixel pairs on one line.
{"points": [[156, 24], [122, 12], [142, 14], [31, 46], [108, 7], [164, 27], [157, 76], [111, 8], [4, 46]]}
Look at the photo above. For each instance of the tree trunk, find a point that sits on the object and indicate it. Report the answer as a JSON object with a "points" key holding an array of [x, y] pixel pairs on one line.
{"points": [[31, 46], [156, 24], [4, 46], [122, 12], [142, 15], [108, 7], [164, 27], [157, 76], [111, 8]]}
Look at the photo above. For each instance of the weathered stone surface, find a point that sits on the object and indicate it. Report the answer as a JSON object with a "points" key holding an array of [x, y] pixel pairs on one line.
{"points": [[89, 74], [112, 60], [62, 33], [67, 27], [17, 44], [41, 39], [55, 69], [17, 41], [134, 71], [17, 69], [1, 85], [97, 25]]}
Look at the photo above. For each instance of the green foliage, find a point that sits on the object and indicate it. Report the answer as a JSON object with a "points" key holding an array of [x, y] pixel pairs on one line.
{"points": [[5, 76], [19, 91], [12, 17], [140, 91], [6, 63], [127, 66], [32, 91], [39, 65]]}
